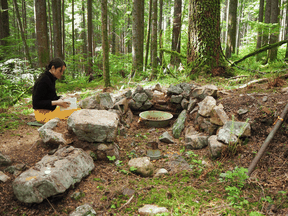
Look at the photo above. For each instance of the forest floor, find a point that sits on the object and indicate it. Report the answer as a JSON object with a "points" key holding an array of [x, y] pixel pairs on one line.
{"points": [[266, 192]]}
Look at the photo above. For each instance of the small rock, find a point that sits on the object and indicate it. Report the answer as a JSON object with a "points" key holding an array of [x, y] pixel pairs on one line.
{"points": [[3, 177], [206, 106], [179, 124], [77, 195], [174, 90], [161, 171], [5, 160], [143, 166], [184, 103], [176, 99], [265, 98], [152, 210], [242, 111], [128, 192], [215, 146], [83, 210], [166, 138]]}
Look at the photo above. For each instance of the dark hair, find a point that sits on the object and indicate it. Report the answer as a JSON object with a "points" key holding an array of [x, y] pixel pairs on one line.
{"points": [[57, 62]]}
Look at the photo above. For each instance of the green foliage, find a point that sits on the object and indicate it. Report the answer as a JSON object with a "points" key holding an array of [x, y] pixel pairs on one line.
{"points": [[133, 169], [111, 158], [236, 178]]}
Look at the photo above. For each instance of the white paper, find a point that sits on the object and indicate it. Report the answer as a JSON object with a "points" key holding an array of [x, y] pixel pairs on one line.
{"points": [[73, 104]]}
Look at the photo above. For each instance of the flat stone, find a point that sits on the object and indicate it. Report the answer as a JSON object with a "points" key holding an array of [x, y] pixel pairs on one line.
{"points": [[224, 135], [160, 172], [206, 106], [143, 166], [210, 90], [208, 127], [197, 141], [134, 105], [174, 90], [241, 129], [3, 177], [105, 100], [242, 111], [5, 160], [191, 105], [147, 105], [84, 210], [51, 137], [152, 210], [149, 93], [140, 97], [138, 89], [215, 146], [94, 125], [184, 103], [51, 124], [90, 103], [54, 174], [176, 99], [166, 138]]}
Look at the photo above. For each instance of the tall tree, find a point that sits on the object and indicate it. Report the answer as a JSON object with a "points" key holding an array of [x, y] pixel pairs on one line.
{"points": [[204, 47], [56, 10], [286, 33], [73, 39], [105, 44], [176, 36], [84, 35], [259, 33], [50, 30], [266, 30], [4, 21], [63, 28], [22, 33], [137, 36], [232, 22], [90, 35], [275, 30], [42, 33], [154, 59], [148, 33], [160, 29], [113, 29]]}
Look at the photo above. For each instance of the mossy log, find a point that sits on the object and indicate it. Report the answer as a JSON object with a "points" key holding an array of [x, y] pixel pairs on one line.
{"points": [[262, 49]]}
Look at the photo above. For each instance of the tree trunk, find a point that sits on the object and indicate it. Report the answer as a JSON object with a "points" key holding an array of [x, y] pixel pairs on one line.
{"points": [[56, 11], [154, 59], [129, 44], [259, 33], [5, 31], [73, 40], [160, 29], [84, 48], [137, 37], [105, 44], [90, 33], [24, 20], [266, 21], [22, 33], [176, 39], [232, 21], [63, 29], [50, 31], [275, 30], [42, 33], [148, 33], [224, 16], [286, 33], [204, 47], [113, 29]]}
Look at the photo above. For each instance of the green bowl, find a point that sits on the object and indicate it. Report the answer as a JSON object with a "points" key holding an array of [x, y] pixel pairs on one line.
{"points": [[156, 118]]}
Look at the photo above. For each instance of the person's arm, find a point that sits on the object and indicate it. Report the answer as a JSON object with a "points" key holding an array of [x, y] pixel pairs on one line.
{"points": [[61, 103]]}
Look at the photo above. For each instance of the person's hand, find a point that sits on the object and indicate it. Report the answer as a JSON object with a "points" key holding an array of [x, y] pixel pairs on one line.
{"points": [[63, 103]]}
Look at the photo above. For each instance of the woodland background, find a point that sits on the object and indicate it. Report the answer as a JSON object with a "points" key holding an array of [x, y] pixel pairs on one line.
{"points": [[118, 39]]}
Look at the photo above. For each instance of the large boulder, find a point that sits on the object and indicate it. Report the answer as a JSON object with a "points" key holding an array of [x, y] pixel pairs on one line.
{"points": [[94, 125], [54, 174]]}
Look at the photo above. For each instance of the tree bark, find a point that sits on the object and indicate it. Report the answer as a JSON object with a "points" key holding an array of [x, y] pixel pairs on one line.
{"points": [[232, 23], [42, 33], [63, 29], [148, 33], [84, 37], [90, 33], [259, 33], [105, 44], [266, 21], [22, 33], [286, 33], [113, 29], [154, 59], [57, 38], [176, 39], [73, 39], [204, 47], [5, 31], [137, 37], [50, 31], [160, 29], [275, 30]]}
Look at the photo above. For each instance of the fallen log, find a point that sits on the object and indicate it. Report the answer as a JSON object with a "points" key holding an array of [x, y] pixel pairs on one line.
{"points": [[262, 49], [267, 141], [251, 82]]}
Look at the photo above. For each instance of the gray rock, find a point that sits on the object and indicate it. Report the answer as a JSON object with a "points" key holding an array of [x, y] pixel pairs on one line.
{"points": [[128, 94], [143, 166], [265, 98], [198, 93], [206, 106], [51, 124], [77, 195], [208, 127], [94, 125], [160, 172], [184, 103], [128, 192], [176, 99], [140, 97], [166, 138], [210, 90], [152, 210], [84, 210], [242, 111], [204, 91], [51, 137], [5, 160], [174, 90], [147, 105], [104, 150], [190, 131], [90, 103], [3, 177], [105, 100], [215, 146], [134, 105], [179, 124], [218, 116], [15, 169], [241, 129], [224, 135], [139, 89], [192, 104], [177, 163], [54, 174], [149, 93], [197, 141]]}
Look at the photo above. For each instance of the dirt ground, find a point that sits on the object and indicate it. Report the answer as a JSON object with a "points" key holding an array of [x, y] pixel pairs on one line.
{"points": [[24, 147]]}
